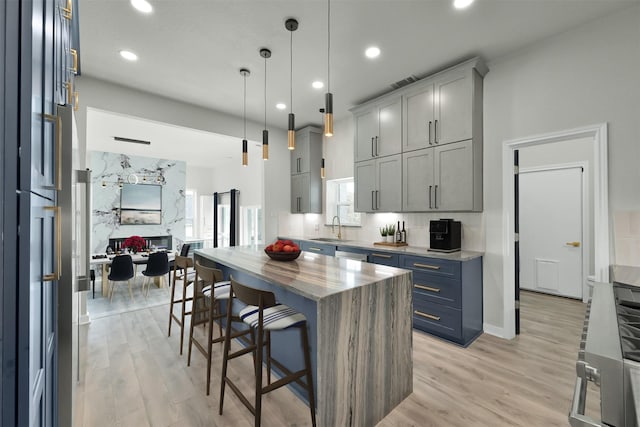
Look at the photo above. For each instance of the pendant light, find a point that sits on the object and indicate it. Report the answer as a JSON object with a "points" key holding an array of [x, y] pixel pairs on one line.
{"points": [[322, 174], [291, 25], [265, 53], [245, 154], [328, 97]]}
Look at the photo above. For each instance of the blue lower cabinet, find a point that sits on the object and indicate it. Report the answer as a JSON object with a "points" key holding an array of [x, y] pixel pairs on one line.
{"points": [[384, 258], [447, 297], [318, 248]]}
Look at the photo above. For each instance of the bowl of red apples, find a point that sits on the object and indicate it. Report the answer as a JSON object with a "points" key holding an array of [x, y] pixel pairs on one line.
{"points": [[283, 250]]}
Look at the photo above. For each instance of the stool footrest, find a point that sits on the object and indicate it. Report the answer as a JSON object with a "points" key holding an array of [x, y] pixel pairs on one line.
{"points": [[241, 352], [284, 381]]}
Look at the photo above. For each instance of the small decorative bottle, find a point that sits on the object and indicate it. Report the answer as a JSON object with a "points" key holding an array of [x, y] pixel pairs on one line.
{"points": [[398, 234], [403, 234]]}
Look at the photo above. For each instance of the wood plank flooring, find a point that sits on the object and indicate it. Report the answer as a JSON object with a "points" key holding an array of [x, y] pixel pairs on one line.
{"points": [[133, 375]]}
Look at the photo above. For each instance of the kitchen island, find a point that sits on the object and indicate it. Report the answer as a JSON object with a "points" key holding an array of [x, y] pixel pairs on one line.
{"points": [[359, 318]]}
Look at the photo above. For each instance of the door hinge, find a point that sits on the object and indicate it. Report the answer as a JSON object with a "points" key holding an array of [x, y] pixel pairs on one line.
{"points": [[516, 237], [516, 169], [517, 304]]}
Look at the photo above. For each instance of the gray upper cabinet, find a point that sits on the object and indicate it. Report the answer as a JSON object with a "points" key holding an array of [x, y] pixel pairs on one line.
{"points": [[440, 120], [306, 161], [443, 178], [378, 129], [379, 184]]}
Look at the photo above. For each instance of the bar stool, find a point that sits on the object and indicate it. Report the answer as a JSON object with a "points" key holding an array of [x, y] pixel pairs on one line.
{"points": [[181, 264], [206, 309], [263, 314]]}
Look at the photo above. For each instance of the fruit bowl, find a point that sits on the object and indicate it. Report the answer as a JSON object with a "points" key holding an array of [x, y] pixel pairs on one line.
{"points": [[283, 256]]}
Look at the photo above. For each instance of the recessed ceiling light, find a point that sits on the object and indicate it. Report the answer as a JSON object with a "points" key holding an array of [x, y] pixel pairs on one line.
{"points": [[317, 84], [461, 4], [281, 106], [129, 56], [372, 52], [142, 5]]}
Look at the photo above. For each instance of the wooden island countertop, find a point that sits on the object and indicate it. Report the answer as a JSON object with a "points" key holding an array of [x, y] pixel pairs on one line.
{"points": [[360, 328]]}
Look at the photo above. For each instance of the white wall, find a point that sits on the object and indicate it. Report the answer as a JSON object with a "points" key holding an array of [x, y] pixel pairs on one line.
{"points": [[108, 96], [585, 76], [200, 179]]}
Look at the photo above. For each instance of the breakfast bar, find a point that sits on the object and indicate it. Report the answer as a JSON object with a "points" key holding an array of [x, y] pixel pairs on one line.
{"points": [[360, 330]]}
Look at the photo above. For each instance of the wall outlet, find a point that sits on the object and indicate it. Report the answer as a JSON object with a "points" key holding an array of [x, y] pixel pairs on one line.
{"points": [[317, 227]]}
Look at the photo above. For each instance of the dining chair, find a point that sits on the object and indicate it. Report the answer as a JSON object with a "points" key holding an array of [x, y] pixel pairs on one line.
{"points": [[187, 277], [157, 266], [209, 290], [264, 315], [121, 270]]}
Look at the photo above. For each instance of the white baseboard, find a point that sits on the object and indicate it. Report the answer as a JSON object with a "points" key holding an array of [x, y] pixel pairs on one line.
{"points": [[494, 330], [85, 319]]}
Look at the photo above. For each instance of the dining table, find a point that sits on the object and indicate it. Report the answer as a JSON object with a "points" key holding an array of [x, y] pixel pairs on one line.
{"points": [[104, 260]]}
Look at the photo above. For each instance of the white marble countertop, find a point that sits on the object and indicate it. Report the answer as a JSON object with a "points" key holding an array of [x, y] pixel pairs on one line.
{"points": [[404, 250], [313, 276]]}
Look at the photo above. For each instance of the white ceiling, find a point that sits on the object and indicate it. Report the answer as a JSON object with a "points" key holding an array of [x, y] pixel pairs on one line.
{"points": [[192, 50]]}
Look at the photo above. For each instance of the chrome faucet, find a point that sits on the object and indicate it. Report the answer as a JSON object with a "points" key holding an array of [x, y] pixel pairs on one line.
{"points": [[333, 224]]}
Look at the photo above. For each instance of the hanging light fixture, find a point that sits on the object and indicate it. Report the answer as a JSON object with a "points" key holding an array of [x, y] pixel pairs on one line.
{"points": [[265, 53], [245, 155], [322, 174], [328, 97], [291, 25]]}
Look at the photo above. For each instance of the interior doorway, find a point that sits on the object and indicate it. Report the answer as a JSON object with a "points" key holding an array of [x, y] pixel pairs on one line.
{"points": [[599, 230]]}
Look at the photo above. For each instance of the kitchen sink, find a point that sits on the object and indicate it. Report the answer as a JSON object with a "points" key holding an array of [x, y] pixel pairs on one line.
{"points": [[329, 239]]}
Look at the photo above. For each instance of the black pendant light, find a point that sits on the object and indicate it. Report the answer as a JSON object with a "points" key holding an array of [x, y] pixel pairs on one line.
{"points": [[265, 53], [245, 154], [291, 25], [322, 174], [328, 97]]}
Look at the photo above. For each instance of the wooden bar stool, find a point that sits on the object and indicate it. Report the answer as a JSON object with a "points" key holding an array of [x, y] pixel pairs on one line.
{"points": [[263, 314], [208, 292], [181, 273]]}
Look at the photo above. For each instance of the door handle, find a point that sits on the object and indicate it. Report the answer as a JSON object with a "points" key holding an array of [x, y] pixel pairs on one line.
{"points": [[429, 139], [373, 207], [372, 153], [58, 150], [430, 194], [377, 200], [58, 245], [435, 197], [74, 57], [435, 131], [377, 148], [426, 315], [574, 244]]}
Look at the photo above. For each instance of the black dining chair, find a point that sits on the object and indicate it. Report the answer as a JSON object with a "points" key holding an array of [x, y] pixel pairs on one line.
{"points": [[184, 252], [157, 266], [121, 271]]}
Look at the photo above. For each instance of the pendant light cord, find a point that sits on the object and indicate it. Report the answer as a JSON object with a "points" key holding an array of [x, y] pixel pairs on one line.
{"points": [[328, 45], [291, 72], [265, 92], [244, 108]]}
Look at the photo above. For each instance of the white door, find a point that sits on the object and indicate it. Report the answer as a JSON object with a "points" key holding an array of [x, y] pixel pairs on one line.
{"points": [[551, 217]]}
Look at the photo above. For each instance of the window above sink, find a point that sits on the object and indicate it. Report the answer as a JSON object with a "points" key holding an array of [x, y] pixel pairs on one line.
{"points": [[340, 202]]}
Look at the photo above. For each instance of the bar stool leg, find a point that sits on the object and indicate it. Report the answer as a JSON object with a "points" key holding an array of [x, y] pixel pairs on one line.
{"points": [[184, 310], [173, 296], [225, 354], [268, 357], [307, 363], [258, 350], [210, 339]]}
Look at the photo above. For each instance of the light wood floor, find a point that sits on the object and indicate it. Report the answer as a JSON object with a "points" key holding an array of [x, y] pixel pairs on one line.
{"points": [[133, 375]]}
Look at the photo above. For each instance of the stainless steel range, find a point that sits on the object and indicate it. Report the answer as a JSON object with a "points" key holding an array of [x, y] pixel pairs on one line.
{"points": [[609, 356]]}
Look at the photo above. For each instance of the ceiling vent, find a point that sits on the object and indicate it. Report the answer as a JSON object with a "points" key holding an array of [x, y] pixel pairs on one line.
{"points": [[404, 82], [134, 141]]}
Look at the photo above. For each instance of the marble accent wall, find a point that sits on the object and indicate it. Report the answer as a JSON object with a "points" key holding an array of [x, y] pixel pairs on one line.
{"points": [[105, 212]]}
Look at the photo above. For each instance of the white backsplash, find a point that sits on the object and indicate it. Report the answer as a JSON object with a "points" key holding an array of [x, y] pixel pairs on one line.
{"points": [[416, 224], [108, 167], [626, 235]]}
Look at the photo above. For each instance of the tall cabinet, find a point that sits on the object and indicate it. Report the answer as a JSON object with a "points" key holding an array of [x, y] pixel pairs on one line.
{"points": [[40, 56], [437, 123], [306, 162]]}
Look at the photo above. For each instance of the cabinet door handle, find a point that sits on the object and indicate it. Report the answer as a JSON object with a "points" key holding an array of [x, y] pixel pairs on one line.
{"points": [[435, 196], [74, 56], [58, 243], [435, 131], [377, 147], [430, 267], [58, 150], [426, 315], [381, 255], [429, 139], [373, 207], [69, 87], [430, 196], [315, 249], [76, 101], [67, 12], [377, 199], [372, 153], [426, 288]]}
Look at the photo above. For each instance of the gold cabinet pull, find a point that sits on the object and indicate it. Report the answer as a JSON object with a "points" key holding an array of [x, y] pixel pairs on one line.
{"points": [[426, 288], [315, 249], [76, 100], [69, 87], [381, 255], [58, 245], [430, 267], [574, 244], [58, 150], [74, 55], [426, 315], [67, 12]]}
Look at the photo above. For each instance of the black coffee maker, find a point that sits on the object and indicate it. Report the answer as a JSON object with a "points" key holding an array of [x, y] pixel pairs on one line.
{"points": [[446, 235]]}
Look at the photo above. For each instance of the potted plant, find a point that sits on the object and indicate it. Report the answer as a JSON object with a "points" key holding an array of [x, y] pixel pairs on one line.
{"points": [[134, 243], [384, 231], [391, 232]]}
